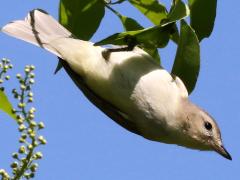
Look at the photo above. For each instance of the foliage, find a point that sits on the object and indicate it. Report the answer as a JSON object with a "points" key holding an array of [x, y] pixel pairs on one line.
{"points": [[203, 22], [72, 13], [24, 165], [187, 59], [165, 28]]}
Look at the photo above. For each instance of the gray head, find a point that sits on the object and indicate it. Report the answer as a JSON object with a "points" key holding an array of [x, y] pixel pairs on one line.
{"points": [[200, 130]]}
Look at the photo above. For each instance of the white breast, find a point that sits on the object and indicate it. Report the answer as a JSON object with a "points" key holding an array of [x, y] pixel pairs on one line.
{"points": [[131, 81]]}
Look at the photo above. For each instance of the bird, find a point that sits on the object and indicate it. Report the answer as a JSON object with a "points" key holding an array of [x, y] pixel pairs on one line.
{"points": [[128, 86]]}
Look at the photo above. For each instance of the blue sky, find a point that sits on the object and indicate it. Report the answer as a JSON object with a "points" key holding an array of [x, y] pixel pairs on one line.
{"points": [[85, 144]]}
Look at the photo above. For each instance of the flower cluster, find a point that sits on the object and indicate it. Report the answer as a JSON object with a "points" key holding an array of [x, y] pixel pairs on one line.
{"points": [[5, 65], [24, 165]]}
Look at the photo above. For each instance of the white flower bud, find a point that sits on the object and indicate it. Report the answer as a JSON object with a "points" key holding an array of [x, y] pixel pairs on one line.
{"points": [[41, 125], [21, 105], [31, 81], [18, 76], [32, 67], [42, 140], [7, 78], [22, 127], [22, 150], [23, 87]]}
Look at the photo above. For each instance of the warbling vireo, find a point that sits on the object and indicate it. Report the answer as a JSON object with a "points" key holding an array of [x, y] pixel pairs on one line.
{"points": [[128, 86]]}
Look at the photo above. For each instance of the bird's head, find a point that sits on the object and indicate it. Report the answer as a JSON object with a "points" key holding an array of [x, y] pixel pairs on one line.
{"points": [[200, 130]]}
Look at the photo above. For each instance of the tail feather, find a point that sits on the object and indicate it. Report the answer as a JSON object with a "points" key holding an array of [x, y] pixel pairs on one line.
{"points": [[46, 24], [38, 28]]}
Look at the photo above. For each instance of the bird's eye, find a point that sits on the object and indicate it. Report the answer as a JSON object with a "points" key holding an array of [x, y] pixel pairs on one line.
{"points": [[208, 125]]}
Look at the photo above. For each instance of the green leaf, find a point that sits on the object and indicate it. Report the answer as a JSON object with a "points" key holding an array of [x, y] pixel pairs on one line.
{"points": [[81, 17], [5, 105], [203, 13], [187, 60], [178, 12], [130, 24], [175, 35], [154, 37], [152, 9]]}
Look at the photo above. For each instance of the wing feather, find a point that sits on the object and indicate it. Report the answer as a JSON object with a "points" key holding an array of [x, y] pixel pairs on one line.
{"points": [[111, 111]]}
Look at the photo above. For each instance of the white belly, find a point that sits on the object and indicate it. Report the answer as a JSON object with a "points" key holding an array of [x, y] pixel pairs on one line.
{"points": [[131, 81]]}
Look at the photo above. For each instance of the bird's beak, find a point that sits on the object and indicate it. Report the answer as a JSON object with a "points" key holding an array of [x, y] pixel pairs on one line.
{"points": [[222, 151]]}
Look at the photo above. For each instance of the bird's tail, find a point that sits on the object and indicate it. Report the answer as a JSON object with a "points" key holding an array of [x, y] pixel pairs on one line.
{"points": [[38, 28]]}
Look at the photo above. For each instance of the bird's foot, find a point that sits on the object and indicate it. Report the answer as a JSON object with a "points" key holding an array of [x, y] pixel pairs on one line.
{"points": [[106, 52]]}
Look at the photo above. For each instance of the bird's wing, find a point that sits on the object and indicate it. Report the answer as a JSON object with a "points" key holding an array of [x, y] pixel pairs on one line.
{"points": [[111, 111]]}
